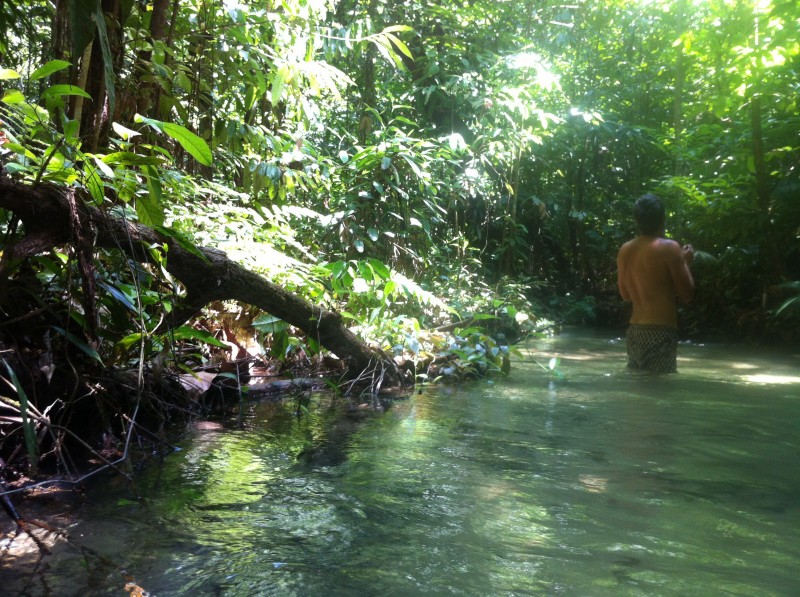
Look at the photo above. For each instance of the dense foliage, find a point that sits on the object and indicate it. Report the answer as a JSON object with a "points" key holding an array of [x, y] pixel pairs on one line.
{"points": [[415, 163]]}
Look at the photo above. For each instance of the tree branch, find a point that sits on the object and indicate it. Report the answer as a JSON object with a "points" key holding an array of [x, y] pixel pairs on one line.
{"points": [[44, 212]]}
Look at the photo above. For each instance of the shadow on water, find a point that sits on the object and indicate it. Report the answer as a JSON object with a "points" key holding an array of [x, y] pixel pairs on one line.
{"points": [[589, 480]]}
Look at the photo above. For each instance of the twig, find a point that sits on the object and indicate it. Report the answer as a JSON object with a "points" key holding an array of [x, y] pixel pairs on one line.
{"points": [[150, 433], [28, 315]]}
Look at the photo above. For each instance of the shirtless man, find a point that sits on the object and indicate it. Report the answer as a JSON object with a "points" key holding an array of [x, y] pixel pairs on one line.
{"points": [[652, 272]]}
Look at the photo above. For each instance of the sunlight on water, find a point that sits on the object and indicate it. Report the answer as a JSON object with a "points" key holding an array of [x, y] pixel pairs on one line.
{"points": [[778, 379], [586, 480]]}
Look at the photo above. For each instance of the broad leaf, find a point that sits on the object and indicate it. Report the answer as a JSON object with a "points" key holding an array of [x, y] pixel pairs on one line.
{"points": [[81, 23], [48, 69], [196, 146], [28, 426], [149, 210], [83, 346], [186, 332], [13, 96], [182, 241], [108, 61], [58, 90]]}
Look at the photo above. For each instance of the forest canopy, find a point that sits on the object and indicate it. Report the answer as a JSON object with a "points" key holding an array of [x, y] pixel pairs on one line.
{"points": [[408, 166]]}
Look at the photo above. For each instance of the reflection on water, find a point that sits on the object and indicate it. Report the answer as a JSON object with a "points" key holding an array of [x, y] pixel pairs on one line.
{"points": [[600, 482]]}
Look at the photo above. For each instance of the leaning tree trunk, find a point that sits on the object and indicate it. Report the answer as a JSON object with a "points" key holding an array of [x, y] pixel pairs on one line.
{"points": [[52, 215]]}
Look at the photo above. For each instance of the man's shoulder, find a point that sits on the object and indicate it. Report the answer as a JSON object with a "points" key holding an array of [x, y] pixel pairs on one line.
{"points": [[643, 245], [631, 243], [667, 244]]}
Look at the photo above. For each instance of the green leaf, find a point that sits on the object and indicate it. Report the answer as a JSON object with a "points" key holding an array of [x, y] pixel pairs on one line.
{"points": [[397, 28], [81, 23], [193, 144], [124, 132], [149, 210], [196, 146], [483, 316], [85, 348], [269, 324], [413, 165], [13, 96], [7, 74], [365, 269], [120, 296], [789, 303], [156, 124], [28, 426], [337, 268], [93, 183], [19, 149], [59, 90], [108, 61], [154, 186], [380, 268], [278, 83], [398, 44], [129, 340], [127, 158], [186, 332], [48, 69], [102, 166], [182, 241]]}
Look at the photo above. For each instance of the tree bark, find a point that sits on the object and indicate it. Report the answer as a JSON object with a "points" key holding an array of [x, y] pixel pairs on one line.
{"points": [[208, 276]]}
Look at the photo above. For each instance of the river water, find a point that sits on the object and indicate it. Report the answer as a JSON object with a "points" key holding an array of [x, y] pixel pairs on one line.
{"points": [[588, 481]]}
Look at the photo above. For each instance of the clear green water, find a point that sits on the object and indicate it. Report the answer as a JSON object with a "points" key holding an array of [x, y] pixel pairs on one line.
{"points": [[600, 483]]}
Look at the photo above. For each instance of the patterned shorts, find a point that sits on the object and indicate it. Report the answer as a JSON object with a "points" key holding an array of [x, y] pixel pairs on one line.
{"points": [[652, 347]]}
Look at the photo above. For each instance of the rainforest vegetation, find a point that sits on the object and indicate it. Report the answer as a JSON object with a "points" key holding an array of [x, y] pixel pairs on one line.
{"points": [[200, 193]]}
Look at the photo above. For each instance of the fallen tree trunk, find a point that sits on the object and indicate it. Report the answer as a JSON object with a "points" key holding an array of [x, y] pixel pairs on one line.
{"points": [[54, 216]]}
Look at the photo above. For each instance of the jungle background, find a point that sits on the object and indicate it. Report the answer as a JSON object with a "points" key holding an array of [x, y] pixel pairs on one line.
{"points": [[443, 177]]}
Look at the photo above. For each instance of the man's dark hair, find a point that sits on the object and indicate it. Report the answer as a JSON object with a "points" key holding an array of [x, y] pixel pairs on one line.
{"points": [[649, 214]]}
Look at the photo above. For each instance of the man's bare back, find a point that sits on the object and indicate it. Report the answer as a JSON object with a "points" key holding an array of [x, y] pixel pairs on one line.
{"points": [[652, 272]]}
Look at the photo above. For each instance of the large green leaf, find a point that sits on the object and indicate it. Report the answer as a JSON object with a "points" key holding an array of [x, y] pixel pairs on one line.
{"points": [[83, 346], [127, 158], [28, 426], [196, 146], [269, 324], [13, 96], [48, 69], [108, 61], [93, 182], [149, 209], [182, 241], [57, 90], [186, 332], [81, 23]]}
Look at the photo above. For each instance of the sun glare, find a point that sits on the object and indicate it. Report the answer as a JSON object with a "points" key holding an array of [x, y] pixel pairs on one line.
{"points": [[771, 379]]}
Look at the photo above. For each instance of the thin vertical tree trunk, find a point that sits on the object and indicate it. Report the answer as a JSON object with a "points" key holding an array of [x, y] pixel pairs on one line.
{"points": [[148, 96]]}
